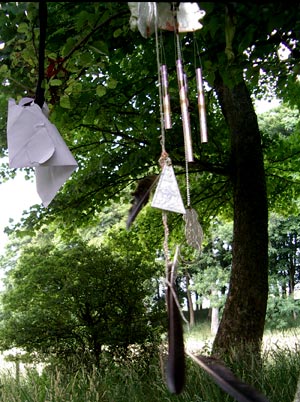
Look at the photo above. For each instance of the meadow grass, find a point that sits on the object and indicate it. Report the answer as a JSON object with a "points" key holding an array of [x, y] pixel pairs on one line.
{"points": [[276, 378]]}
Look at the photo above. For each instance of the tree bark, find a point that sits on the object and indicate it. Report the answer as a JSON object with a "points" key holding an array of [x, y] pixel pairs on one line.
{"points": [[243, 319]]}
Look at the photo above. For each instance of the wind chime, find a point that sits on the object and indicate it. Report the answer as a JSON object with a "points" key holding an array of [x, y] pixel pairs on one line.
{"points": [[149, 17], [175, 373], [176, 17]]}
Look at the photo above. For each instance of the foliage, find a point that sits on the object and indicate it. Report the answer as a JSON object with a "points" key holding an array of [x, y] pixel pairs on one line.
{"points": [[282, 312], [280, 138], [284, 254], [107, 110], [79, 299], [212, 270]]}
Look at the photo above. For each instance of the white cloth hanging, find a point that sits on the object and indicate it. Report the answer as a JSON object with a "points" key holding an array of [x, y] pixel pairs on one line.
{"points": [[33, 141], [143, 17]]}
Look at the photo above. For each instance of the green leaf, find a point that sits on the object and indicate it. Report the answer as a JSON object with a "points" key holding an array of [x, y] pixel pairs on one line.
{"points": [[55, 82], [100, 47], [112, 83], [101, 90], [117, 33], [3, 69], [71, 42], [65, 102], [23, 27], [86, 58]]}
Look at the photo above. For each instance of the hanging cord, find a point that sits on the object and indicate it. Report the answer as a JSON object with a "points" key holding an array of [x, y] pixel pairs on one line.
{"points": [[164, 155], [40, 90], [170, 280], [196, 52], [162, 138]]}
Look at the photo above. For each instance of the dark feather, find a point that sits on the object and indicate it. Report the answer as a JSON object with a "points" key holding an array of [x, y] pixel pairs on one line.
{"points": [[141, 197], [226, 380], [176, 355]]}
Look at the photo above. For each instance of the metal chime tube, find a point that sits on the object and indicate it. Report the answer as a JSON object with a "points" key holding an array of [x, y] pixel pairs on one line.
{"points": [[201, 106], [184, 103], [166, 97]]}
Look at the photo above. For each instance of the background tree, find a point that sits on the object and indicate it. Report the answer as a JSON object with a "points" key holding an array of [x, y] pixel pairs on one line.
{"points": [[100, 86], [212, 271], [77, 300], [280, 140], [284, 253]]}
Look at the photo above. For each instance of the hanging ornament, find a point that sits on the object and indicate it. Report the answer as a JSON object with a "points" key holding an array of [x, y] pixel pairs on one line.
{"points": [[193, 229], [201, 106], [33, 141], [167, 195]]}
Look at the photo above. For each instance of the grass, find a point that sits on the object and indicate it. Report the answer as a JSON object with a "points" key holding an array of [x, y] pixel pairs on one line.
{"points": [[276, 378]]}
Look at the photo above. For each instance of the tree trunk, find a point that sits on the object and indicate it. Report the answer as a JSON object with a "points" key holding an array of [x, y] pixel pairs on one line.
{"points": [[189, 301], [243, 319], [292, 264], [214, 323]]}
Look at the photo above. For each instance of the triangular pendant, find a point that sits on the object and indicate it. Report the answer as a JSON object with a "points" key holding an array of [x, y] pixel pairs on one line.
{"points": [[167, 195]]}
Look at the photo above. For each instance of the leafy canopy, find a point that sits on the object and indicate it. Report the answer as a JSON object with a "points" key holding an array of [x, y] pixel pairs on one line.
{"points": [[101, 88]]}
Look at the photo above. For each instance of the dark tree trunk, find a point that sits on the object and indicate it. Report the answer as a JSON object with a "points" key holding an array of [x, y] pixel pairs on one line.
{"points": [[292, 263], [243, 319]]}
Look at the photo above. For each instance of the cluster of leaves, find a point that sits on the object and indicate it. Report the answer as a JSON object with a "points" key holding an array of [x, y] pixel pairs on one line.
{"points": [[280, 139]]}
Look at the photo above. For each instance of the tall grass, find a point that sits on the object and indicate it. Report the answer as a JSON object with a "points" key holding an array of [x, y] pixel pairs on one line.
{"points": [[132, 382], [277, 379]]}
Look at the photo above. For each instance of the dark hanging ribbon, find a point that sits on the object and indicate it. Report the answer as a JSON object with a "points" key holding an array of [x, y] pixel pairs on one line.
{"points": [[176, 356], [225, 379], [40, 90]]}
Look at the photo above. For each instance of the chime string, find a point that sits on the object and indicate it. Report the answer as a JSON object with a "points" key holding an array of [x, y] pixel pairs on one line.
{"points": [[162, 127], [179, 57], [39, 95], [197, 56]]}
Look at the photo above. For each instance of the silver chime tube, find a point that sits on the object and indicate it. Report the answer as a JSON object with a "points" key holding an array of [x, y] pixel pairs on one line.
{"points": [[166, 97], [201, 106], [184, 104]]}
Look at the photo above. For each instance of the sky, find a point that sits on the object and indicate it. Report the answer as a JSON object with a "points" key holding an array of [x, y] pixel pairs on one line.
{"points": [[16, 195]]}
